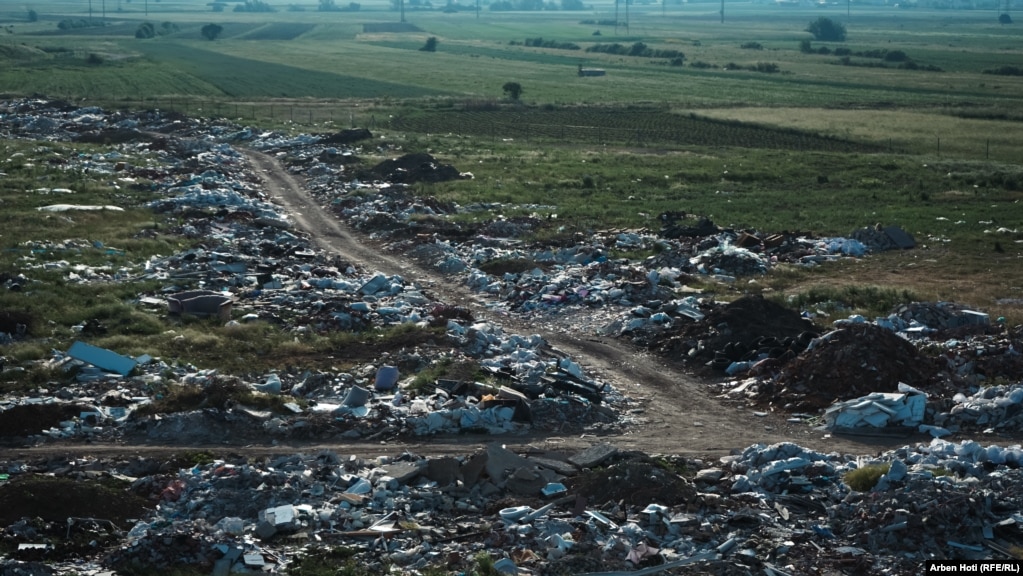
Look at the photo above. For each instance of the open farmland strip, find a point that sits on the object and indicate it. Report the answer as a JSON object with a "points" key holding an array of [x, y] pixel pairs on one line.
{"points": [[238, 76], [279, 31], [618, 125]]}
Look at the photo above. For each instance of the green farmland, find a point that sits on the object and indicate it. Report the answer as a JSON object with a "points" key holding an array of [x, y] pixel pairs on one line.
{"points": [[915, 119]]}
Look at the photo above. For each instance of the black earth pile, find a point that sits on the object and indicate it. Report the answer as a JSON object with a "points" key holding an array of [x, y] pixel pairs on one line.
{"points": [[850, 362], [632, 482], [742, 330], [26, 420], [72, 519], [410, 168]]}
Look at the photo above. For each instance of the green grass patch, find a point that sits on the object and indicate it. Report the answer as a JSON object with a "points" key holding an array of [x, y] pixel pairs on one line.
{"points": [[870, 301], [864, 479]]}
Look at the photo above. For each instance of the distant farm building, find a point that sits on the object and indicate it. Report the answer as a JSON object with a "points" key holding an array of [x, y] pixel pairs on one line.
{"points": [[591, 71]]}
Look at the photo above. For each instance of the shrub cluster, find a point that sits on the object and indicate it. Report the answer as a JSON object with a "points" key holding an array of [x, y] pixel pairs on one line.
{"points": [[638, 49], [254, 6], [541, 43], [71, 24], [1005, 71], [765, 67]]}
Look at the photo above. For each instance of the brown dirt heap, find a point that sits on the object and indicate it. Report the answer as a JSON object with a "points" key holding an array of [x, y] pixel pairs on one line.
{"points": [[848, 363]]}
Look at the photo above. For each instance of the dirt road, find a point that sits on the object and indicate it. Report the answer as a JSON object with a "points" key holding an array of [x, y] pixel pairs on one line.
{"points": [[674, 412], [669, 411]]}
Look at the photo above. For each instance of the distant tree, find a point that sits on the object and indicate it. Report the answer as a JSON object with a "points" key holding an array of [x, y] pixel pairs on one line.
{"points": [[211, 31], [512, 89], [145, 30], [572, 5], [826, 29], [1004, 19], [254, 6], [638, 49], [430, 46], [328, 6], [168, 28], [33, 16], [218, 6]]}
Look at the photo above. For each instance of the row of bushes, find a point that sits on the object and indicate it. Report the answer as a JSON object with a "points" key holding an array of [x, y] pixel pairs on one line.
{"points": [[907, 65], [881, 53], [638, 49], [1005, 71], [148, 30], [541, 43]]}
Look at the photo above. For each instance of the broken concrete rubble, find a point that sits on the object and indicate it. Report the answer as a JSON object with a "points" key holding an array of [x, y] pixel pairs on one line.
{"points": [[769, 505]]}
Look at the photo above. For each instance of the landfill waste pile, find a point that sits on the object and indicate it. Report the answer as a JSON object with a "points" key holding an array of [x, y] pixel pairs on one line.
{"points": [[778, 509], [769, 509], [254, 266]]}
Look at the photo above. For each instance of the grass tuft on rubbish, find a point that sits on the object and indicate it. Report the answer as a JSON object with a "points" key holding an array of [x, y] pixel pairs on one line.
{"points": [[866, 300], [864, 479], [220, 395]]}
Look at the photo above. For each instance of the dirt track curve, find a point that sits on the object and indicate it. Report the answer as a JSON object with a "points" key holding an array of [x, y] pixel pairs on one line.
{"points": [[673, 413]]}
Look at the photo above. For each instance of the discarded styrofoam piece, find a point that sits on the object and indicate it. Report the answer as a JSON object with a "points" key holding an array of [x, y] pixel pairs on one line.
{"points": [[279, 515], [102, 358], [357, 396], [70, 207], [878, 410], [386, 378]]}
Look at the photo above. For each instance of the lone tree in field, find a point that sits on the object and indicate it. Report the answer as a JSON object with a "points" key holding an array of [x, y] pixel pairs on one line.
{"points": [[430, 46], [827, 30], [211, 31], [512, 89]]}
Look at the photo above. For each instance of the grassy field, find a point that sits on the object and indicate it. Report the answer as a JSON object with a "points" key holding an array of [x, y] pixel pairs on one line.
{"points": [[824, 144]]}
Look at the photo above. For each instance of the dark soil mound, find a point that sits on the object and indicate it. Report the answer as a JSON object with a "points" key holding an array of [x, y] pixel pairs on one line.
{"points": [[347, 136], [57, 499], [16, 323], [635, 482], [742, 330], [419, 167], [29, 419], [848, 363]]}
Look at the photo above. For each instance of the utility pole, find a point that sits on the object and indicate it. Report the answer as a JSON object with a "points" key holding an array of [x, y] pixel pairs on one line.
{"points": [[722, 11], [616, 17], [90, 11], [402, 3], [627, 17]]}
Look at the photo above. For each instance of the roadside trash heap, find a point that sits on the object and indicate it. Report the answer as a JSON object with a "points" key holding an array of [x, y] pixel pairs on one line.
{"points": [[933, 368], [774, 509]]}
